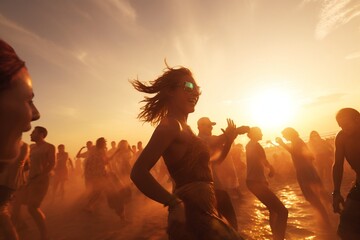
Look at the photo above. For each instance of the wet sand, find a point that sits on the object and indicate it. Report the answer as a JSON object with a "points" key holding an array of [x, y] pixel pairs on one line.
{"points": [[147, 220]]}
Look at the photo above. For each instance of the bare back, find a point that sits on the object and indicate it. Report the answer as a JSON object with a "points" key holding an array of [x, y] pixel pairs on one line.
{"points": [[42, 158], [348, 147]]}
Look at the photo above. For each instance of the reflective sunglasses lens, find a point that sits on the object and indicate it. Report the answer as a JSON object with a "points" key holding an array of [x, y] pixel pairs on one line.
{"points": [[189, 87]]}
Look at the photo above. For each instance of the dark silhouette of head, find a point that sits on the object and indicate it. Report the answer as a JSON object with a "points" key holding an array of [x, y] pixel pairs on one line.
{"points": [[314, 135], [255, 133], [290, 133], [100, 143], [348, 119]]}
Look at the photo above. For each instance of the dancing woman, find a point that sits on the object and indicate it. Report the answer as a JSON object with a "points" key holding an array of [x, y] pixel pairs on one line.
{"points": [[192, 205]]}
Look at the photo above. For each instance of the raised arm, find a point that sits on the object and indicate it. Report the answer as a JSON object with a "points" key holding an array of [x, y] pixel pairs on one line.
{"points": [[229, 136], [70, 162], [281, 143], [79, 154]]}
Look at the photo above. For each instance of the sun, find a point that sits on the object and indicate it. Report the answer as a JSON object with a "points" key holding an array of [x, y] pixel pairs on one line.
{"points": [[272, 108]]}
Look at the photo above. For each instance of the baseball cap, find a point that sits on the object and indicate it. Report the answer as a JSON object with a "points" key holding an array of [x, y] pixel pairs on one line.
{"points": [[205, 121]]}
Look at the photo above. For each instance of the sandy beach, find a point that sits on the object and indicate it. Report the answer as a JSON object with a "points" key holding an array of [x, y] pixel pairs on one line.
{"points": [[146, 219]]}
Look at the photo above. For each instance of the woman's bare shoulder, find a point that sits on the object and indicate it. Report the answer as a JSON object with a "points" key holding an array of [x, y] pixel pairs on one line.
{"points": [[169, 125]]}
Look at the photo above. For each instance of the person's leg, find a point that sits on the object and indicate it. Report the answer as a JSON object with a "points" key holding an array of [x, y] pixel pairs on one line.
{"points": [[62, 189], [278, 212], [16, 209], [37, 193], [225, 207], [39, 218], [314, 199]]}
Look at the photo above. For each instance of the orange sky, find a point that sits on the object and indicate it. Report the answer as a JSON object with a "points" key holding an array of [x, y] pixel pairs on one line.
{"points": [[267, 63]]}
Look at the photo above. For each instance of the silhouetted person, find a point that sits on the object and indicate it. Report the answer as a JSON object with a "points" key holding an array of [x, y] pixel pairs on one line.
{"points": [[95, 173], [110, 153], [89, 147], [123, 157], [42, 161], [17, 110], [324, 155], [218, 154], [192, 205], [347, 146], [257, 183], [238, 154], [61, 170], [307, 177]]}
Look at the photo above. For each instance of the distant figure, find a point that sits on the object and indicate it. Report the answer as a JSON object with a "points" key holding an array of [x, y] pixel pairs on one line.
{"points": [[102, 181], [17, 110], [307, 177], [238, 154], [95, 173], [133, 149], [257, 183], [42, 161], [110, 153], [112, 150], [192, 205], [84, 155], [347, 146], [89, 146], [123, 157], [139, 147], [61, 170], [324, 155], [139, 150]]}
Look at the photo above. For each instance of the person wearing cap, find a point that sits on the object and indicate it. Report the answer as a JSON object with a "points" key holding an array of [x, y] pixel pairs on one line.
{"points": [[17, 110], [219, 149]]}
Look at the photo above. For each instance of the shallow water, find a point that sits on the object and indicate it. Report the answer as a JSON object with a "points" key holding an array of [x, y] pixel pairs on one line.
{"points": [[303, 220], [147, 219]]}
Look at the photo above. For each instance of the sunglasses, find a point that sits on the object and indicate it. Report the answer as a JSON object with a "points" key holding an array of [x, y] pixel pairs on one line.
{"points": [[191, 88]]}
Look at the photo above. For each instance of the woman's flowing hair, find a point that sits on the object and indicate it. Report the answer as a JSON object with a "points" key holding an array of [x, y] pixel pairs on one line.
{"points": [[156, 108]]}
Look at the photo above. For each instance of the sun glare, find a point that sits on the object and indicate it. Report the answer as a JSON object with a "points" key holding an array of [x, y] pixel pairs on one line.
{"points": [[272, 108]]}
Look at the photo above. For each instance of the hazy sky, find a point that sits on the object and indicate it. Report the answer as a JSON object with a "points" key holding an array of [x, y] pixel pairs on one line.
{"points": [[268, 63]]}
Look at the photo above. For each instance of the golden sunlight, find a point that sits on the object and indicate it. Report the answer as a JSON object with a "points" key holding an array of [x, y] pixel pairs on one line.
{"points": [[272, 108]]}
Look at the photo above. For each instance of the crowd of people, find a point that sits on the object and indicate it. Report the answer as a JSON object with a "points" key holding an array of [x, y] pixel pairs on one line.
{"points": [[196, 176]]}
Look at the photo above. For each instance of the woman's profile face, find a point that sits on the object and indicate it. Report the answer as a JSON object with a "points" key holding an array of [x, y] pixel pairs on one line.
{"points": [[186, 95]]}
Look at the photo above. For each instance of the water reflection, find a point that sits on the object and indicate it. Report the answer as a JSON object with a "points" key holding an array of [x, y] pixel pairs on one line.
{"points": [[253, 217]]}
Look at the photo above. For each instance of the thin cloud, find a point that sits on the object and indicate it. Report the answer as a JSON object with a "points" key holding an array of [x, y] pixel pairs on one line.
{"points": [[325, 99], [120, 11], [44, 48], [353, 55], [334, 14]]}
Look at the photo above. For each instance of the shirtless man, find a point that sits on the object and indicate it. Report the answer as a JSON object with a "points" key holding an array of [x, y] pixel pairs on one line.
{"points": [[347, 146], [17, 110], [42, 161]]}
